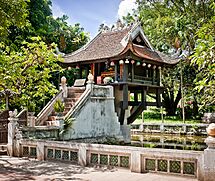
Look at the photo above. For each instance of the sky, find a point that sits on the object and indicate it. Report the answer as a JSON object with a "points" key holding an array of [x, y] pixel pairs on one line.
{"points": [[91, 13]]}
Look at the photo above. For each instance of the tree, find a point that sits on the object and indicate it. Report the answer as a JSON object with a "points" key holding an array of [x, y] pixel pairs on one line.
{"points": [[172, 26], [68, 38], [27, 72], [12, 12], [204, 59]]}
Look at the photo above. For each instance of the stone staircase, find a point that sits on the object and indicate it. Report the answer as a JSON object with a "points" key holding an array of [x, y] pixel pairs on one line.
{"points": [[3, 149], [74, 93]]}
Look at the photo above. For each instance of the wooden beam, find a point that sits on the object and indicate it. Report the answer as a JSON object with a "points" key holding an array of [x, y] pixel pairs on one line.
{"points": [[151, 103], [134, 103]]}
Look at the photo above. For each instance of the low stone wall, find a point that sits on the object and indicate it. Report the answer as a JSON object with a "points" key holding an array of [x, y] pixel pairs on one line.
{"points": [[41, 132], [197, 129], [179, 162]]}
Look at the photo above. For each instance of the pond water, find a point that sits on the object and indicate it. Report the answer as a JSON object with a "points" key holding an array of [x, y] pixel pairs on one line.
{"points": [[168, 141]]}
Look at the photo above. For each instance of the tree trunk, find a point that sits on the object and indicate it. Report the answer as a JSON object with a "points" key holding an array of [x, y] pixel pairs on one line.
{"points": [[169, 103]]}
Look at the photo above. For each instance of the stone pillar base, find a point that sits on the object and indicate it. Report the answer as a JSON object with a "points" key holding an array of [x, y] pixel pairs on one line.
{"points": [[126, 133], [209, 159]]}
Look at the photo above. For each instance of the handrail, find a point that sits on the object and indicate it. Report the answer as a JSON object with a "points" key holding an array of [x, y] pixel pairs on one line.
{"points": [[48, 108], [77, 105], [21, 112]]}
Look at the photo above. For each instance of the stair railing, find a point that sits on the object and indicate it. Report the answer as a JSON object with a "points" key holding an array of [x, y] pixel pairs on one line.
{"points": [[44, 113]]}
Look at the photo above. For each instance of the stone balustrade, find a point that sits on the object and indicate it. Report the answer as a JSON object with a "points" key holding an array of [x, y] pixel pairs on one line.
{"points": [[197, 164], [170, 128], [179, 162]]}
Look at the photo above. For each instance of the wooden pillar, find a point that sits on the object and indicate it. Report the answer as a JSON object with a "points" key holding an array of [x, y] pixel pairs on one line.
{"points": [[95, 72], [153, 75], [125, 96], [147, 72], [159, 76], [143, 98], [116, 73], [125, 86], [158, 98], [135, 96], [132, 72], [121, 71]]}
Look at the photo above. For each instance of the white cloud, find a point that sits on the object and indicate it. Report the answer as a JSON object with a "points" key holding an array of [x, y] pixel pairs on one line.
{"points": [[56, 10], [125, 7]]}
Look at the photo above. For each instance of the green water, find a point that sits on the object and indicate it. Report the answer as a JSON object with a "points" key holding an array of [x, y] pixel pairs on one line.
{"points": [[168, 141]]}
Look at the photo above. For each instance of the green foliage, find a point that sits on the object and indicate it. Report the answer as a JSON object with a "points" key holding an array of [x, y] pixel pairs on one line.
{"points": [[27, 51], [27, 72], [68, 38], [204, 59], [59, 106], [12, 12], [173, 25], [40, 22]]}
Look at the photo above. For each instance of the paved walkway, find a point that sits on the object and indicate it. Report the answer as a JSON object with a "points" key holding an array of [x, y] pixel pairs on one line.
{"points": [[21, 169]]}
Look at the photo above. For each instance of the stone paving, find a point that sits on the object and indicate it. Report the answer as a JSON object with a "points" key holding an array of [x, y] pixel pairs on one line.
{"points": [[24, 169]]}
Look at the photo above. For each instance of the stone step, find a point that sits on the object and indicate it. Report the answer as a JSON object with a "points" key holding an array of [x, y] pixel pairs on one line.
{"points": [[76, 90], [74, 95], [69, 100]]}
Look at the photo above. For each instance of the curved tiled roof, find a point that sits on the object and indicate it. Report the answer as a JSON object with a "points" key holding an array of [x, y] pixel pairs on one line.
{"points": [[104, 45], [109, 45]]}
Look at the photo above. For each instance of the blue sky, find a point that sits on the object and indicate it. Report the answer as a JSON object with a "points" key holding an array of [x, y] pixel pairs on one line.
{"points": [[91, 13]]}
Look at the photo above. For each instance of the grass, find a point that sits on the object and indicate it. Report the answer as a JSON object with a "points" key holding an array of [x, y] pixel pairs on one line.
{"points": [[167, 121]]}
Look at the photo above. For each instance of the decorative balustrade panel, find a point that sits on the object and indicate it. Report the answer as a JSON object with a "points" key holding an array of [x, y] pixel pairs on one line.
{"points": [[61, 154], [172, 166], [3, 130], [110, 159], [29, 151]]}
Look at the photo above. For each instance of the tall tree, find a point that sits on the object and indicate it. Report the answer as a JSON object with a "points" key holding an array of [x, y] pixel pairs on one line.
{"points": [[204, 59], [27, 72], [12, 12], [172, 25]]}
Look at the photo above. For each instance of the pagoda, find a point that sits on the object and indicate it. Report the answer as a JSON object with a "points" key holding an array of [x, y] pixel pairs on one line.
{"points": [[124, 59]]}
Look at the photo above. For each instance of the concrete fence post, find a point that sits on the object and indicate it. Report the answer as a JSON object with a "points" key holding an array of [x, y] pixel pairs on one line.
{"points": [[136, 162], [40, 151], [161, 127], [82, 155], [209, 159], [11, 131], [209, 154]]}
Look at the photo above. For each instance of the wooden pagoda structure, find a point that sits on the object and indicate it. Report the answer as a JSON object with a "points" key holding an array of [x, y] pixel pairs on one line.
{"points": [[127, 60]]}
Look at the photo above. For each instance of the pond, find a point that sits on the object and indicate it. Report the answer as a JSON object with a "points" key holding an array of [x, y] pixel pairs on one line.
{"points": [[168, 141]]}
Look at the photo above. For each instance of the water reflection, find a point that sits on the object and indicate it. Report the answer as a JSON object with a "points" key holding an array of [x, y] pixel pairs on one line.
{"points": [[168, 141]]}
